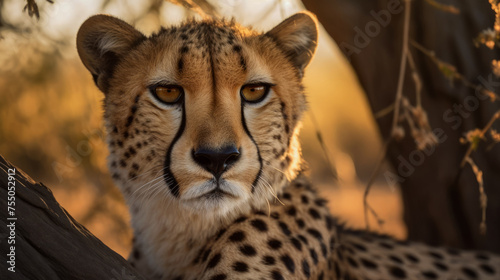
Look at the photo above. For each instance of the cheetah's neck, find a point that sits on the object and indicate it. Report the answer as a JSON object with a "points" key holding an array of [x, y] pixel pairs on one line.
{"points": [[169, 236]]}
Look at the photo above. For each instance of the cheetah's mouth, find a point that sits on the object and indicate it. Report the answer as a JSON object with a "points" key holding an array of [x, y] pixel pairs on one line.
{"points": [[213, 190], [217, 194]]}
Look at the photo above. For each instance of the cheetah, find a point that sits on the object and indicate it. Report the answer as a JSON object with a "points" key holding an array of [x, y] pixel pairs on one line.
{"points": [[203, 121]]}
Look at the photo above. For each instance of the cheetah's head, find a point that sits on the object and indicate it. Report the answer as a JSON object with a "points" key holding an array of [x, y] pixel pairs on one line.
{"points": [[204, 115]]}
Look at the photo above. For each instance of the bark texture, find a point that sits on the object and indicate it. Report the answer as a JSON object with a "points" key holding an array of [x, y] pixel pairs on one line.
{"points": [[441, 200], [49, 243]]}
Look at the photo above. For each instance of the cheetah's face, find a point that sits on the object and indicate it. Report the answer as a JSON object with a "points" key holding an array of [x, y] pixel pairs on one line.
{"points": [[205, 114]]}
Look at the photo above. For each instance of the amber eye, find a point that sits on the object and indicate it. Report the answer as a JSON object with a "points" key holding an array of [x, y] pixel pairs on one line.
{"points": [[167, 94], [254, 93]]}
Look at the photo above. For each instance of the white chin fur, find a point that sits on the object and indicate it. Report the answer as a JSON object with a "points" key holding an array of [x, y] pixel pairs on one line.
{"points": [[200, 197]]}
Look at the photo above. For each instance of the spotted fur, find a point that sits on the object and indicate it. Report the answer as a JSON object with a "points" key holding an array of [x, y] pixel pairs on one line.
{"points": [[259, 219]]}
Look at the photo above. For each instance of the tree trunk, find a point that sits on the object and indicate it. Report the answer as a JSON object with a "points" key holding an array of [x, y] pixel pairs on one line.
{"points": [[49, 243], [441, 199]]}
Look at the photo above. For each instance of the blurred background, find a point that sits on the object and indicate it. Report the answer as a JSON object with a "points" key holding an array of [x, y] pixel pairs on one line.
{"points": [[51, 112]]}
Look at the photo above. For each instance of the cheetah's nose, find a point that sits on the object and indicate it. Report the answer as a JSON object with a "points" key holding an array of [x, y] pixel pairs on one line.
{"points": [[216, 161]]}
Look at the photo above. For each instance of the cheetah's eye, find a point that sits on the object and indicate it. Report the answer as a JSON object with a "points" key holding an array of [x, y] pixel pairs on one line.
{"points": [[168, 94], [254, 93]]}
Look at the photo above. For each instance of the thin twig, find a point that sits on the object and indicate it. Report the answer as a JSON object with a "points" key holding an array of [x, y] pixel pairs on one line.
{"points": [[402, 68], [384, 112], [452, 73], [480, 136], [416, 79], [483, 199], [319, 136], [373, 176], [397, 105]]}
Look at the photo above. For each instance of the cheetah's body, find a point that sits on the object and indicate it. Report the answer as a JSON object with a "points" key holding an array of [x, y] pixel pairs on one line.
{"points": [[203, 122]]}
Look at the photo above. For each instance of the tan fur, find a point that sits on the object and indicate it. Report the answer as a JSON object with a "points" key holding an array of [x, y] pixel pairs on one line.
{"points": [[181, 231]]}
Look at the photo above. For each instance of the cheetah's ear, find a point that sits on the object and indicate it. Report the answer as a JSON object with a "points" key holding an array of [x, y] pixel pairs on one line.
{"points": [[101, 41], [298, 37]]}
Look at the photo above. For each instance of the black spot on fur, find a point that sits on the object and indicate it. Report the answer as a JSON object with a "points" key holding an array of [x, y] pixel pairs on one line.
{"points": [[214, 261], [180, 65], [487, 268], [184, 49], [314, 214], [300, 223], [240, 220], [441, 266], [305, 268], [330, 222], [482, 256], [412, 258], [288, 262], [268, 260], [436, 255], [276, 275], [259, 224], [324, 251], [296, 243], [220, 233], [205, 255], [386, 245], [291, 211], [320, 202], [199, 255], [397, 272], [430, 274], [469, 272], [332, 242], [321, 276], [304, 199], [284, 228], [316, 234], [248, 250], [219, 277], [243, 63], [303, 239], [275, 215], [359, 246], [123, 163], [130, 119], [314, 256], [368, 264], [237, 236], [352, 262], [287, 196], [240, 267], [396, 259], [274, 244]]}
